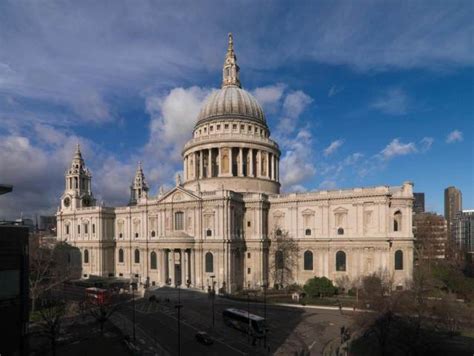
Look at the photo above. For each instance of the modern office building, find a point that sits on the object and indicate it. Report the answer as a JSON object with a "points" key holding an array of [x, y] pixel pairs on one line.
{"points": [[463, 231], [419, 203], [452, 206], [431, 235]]}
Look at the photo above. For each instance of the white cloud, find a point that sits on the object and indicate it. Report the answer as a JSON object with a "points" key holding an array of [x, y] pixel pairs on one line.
{"points": [[173, 117], [393, 102], [397, 148], [426, 143], [269, 96], [295, 103], [333, 147], [334, 90], [296, 164], [328, 184], [454, 136]]}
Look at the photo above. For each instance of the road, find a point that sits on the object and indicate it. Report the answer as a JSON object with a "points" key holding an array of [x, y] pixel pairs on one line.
{"points": [[290, 329]]}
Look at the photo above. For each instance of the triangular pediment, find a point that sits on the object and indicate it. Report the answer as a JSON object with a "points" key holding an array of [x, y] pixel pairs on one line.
{"points": [[178, 195], [308, 212], [340, 210]]}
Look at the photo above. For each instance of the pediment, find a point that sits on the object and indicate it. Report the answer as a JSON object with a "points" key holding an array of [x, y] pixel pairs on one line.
{"points": [[278, 214], [178, 195], [308, 212], [340, 210]]}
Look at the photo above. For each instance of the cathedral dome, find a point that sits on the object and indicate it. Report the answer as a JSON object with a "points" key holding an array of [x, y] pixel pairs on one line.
{"points": [[231, 101]]}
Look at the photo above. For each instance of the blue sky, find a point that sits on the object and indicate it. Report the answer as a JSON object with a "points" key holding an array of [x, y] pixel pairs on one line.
{"points": [[373, 93]]}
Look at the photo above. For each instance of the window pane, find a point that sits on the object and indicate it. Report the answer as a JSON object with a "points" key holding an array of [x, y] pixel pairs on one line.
{"points": [[308, 261]]}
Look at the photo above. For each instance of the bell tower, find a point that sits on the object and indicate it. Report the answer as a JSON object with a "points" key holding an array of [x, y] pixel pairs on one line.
{"points": [[139, 188], [78, 190]]}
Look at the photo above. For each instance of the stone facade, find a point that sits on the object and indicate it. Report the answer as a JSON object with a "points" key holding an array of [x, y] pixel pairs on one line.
{"points": [[219, 223]]}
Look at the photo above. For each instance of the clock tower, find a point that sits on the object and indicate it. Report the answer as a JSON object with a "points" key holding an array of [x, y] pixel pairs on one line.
{"points": [[78, 192]]}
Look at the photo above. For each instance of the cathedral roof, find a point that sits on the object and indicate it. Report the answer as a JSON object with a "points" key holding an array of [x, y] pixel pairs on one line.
{"points": [[231, 101]]}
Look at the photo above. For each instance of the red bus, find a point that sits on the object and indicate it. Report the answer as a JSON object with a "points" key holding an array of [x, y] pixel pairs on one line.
{"points": [[97, 295]]}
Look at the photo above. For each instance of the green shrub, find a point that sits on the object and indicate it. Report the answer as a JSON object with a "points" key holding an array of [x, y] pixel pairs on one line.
{"points": [[319, 287]]}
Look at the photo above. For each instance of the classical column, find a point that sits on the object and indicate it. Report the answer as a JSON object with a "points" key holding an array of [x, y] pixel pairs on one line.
{"points": [[231, 173], [185, 170], [219, 166], [171, 266], [267, 163], [209, 163], [251, 163], [186, 266], [201, 164], [194, 165], [272, 166], [259, 163], [240, 168]]}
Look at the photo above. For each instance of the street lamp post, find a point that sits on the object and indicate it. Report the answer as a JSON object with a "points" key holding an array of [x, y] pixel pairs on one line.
{"points": [[133, 315], [265, 313], [213, 297]]}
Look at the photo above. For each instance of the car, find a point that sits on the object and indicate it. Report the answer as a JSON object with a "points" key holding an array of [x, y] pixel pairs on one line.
{"points": [[204, 338]]}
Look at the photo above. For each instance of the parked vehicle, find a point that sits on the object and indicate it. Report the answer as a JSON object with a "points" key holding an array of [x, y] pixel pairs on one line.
{"points": [[204, 338]]}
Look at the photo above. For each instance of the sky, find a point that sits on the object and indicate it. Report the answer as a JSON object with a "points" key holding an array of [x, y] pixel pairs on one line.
{"points": [[356, 93]]}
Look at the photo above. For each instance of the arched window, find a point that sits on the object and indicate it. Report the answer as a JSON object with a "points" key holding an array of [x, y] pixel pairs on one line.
{"points": [[208, 232], [153, 260], [93, 228], [86, 256], [179, 220], [86, 228], [136, 235], [399, 260], [137, 256], [340, 261], [153, 233], [340, 231], [120, 256], [279, 260], [209, 263], [397, 221], [278, 232], [67, 229], [307, 232], [308, 261]]}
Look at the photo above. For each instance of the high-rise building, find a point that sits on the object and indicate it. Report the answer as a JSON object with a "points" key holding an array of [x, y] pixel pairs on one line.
{"points": [[463, 231], [431, 235], [452, 206], [419, 203]]}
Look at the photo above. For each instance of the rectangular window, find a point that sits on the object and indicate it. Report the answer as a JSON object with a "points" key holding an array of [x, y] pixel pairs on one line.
{"points": [[179, 220], [93, 228], [78, 229], [234, 126], [248, 223], [242, 127], [67, 229], [226, 126], [249, 270], [86, 228], [211, 128], [218, 127], [248, 254]]}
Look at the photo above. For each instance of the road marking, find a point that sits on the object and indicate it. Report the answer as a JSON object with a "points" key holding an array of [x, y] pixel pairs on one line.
{"points": [[192, 327], [312, 344]]}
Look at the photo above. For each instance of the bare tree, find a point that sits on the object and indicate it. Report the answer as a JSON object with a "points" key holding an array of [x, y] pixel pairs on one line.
{"points": [[284, 253], [52, 313], [102, 311], [49, 269]]}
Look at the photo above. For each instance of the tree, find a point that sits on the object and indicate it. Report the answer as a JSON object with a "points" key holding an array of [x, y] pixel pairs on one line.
{"points": [[50, 268], [284, 252], [52, 314], [101, 311], [319, 287]]}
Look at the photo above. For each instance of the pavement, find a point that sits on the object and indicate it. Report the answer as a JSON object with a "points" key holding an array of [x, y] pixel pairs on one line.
{"points": [[291, 329]]}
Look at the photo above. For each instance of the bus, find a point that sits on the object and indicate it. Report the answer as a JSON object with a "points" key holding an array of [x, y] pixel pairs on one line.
{"points": [[97, 295], [244, 321]]}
